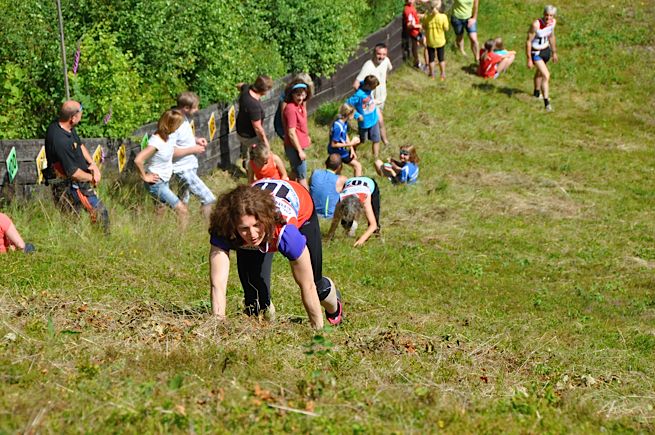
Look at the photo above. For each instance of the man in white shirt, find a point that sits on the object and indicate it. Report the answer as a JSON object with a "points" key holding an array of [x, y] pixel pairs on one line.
{"points": [[186, 168], [378, 66]]}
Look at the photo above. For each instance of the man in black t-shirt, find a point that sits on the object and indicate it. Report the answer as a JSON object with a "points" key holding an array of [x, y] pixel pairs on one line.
{"points": [[71, 171], [250, 128]]}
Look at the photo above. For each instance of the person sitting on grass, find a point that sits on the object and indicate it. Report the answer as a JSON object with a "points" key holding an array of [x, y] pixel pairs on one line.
{"points": [[499, 47], [10, 239], [264, 163], [400, 171], [255, 221], [340, 143], [360, 194], [160, 153], [493, 64]]}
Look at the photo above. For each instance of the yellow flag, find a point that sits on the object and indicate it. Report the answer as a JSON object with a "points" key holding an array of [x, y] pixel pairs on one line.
{"points": [[212, 126], [97, 156], [122, 158], [232, 117], [41, 164]]}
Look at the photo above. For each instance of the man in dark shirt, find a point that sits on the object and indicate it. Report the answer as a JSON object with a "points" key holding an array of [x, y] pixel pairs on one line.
{"points": [[250, 128], [71, 170]]}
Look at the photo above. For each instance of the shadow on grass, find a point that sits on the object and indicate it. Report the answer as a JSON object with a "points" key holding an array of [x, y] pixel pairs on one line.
{"points": [[490, 87], [471, 69]]}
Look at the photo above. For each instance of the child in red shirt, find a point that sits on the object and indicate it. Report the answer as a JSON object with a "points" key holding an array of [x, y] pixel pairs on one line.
{"points": [[493, 64]]}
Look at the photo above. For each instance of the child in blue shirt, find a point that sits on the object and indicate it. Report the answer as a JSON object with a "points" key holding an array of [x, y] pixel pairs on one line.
{"points": [[403, 171], [366, 112], [339, 142]]}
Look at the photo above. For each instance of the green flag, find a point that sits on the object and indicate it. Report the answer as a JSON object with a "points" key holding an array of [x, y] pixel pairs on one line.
{"points": [[12, 164], [144, 141]]}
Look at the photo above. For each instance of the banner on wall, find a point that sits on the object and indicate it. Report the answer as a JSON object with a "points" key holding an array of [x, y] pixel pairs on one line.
{"points": [[12, 164], [41, 164]]}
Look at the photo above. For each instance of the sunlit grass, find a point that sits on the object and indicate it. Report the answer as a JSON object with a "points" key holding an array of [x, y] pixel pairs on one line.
{"points": [[511, 289]]}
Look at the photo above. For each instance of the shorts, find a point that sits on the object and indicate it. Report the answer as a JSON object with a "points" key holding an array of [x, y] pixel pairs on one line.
{"points": [[163, 193], [346, 159], [298, 166], [541, 55], [419, 37], [460, 24], [246, 143], [438, 50], [372, 133], [190, 182]]}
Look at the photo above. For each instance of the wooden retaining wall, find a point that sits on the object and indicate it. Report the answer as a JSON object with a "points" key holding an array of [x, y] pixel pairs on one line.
{"points": [[223, 150]]}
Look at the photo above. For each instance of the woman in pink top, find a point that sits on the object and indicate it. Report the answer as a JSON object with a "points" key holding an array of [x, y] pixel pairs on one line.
{"points": [[296, 134]]}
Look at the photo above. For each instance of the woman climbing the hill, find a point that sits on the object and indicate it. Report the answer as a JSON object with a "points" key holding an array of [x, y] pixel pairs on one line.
{"points": [[255, 221]]}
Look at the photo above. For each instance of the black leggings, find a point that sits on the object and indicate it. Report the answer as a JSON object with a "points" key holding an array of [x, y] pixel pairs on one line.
{"points": [[438, 50], [375, 203], [254, 269]]}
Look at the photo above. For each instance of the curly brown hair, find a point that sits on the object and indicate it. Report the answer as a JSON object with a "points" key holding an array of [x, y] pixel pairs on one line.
{"points": [[242, 201]]}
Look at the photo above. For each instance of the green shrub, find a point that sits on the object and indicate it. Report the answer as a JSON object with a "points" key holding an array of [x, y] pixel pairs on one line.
{"points": [[106, 82], [316, 36], [137, 55]]}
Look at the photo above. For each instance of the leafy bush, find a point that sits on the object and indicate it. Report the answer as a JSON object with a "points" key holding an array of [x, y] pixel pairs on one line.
{"points": [[109, 88], [315, 35], [30, 70], [137, 55]]}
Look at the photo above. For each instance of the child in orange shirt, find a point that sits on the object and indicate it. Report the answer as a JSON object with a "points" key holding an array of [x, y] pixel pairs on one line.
{"points": [[264, 163]]}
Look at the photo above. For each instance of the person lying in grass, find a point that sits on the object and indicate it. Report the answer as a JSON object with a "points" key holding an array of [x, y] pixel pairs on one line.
{"points": [[404, 170], [359, 195], [256, 221]]}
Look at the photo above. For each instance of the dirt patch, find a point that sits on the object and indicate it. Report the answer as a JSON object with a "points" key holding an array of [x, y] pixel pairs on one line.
{"points": [[641, 262], [494, 179], [517, 194], [520, 204]]}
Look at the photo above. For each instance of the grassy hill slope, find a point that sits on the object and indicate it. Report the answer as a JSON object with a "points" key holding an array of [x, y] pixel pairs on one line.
{"points": [[512, 290]]}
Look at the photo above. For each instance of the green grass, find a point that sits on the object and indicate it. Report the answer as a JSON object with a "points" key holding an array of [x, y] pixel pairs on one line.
{"points": [[512, 289]]}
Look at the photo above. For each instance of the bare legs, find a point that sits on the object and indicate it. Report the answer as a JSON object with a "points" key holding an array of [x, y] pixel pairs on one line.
{"points": [[541, 78], [475, 45]]}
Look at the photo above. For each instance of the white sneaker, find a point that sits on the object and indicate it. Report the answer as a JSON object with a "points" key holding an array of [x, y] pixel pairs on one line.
{"points": [[549, 108], [353, 229]]}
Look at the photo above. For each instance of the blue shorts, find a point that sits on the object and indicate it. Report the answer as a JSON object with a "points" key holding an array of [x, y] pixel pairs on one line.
{"points": [[372, 134], [541, 55], [459, 25], [191, 183], [163, 193], [298, 166]]}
